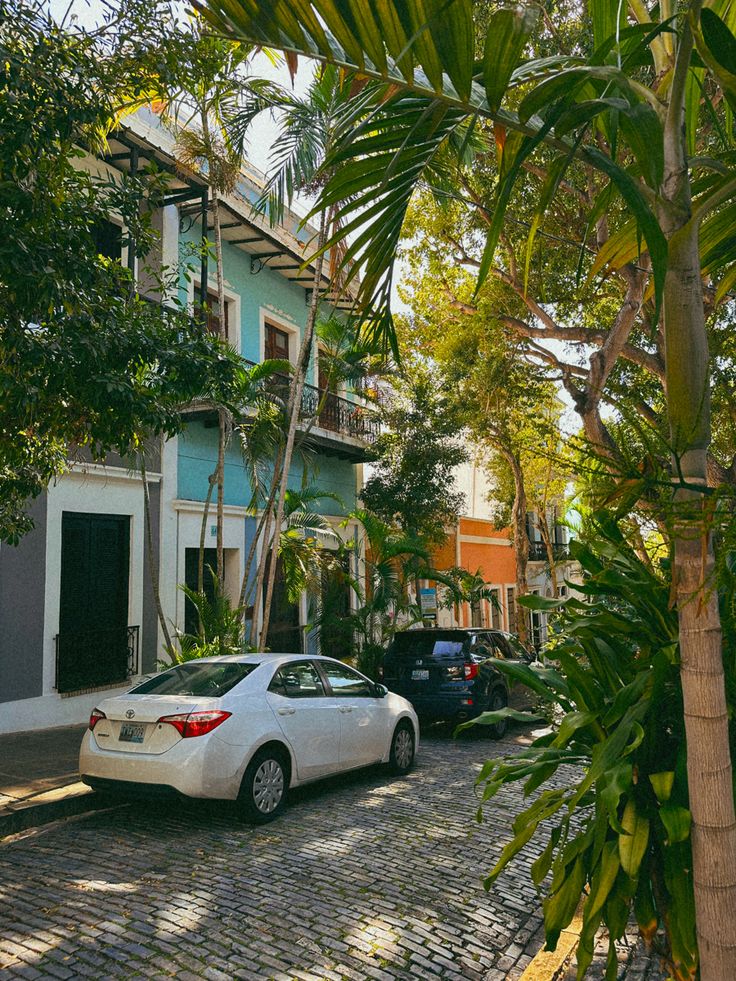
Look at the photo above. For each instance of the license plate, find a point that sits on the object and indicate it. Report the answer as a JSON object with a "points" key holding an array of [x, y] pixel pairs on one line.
{"points": [[420, 674], [131, 734]]}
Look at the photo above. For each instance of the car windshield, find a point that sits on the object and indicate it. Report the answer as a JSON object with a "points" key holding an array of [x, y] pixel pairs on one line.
{"points": [[211, 678], [422, 643]]}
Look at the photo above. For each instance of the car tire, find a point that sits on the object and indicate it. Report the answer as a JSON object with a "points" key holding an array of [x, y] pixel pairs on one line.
{"points": [[264, 787], [403, 743], [498, 700]]}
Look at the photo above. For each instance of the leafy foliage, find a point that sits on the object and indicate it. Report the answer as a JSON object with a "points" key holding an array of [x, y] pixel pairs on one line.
{"points": [[221, 627], [413, 482], [85, 361], [620, 825]]}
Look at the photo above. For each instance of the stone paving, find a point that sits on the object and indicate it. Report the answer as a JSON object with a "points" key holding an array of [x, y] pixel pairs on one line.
{"points": [[363, 877]]}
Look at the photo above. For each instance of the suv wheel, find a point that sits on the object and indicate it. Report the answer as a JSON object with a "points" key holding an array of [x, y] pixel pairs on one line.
{"points": [[263, 790], [498, 701]]}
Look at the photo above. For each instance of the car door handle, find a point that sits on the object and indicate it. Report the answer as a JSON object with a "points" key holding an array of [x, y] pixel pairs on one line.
{"points": [[346, 708], [287, 711]]}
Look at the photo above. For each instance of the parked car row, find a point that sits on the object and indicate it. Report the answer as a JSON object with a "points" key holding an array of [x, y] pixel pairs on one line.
{"points": [[248, 728]]}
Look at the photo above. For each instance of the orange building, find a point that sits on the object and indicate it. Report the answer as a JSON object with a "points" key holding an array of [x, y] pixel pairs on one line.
{"points": [[478, 547]]}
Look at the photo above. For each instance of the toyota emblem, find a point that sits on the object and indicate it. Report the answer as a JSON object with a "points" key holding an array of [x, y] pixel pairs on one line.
{"points": [[130, 714]]}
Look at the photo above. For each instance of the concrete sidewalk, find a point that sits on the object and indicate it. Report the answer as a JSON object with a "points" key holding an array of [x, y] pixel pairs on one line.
{"points": [[39, 778]]}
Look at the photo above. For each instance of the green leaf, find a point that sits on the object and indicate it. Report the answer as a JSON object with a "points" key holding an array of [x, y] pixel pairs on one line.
{"points": [[633, 842], [656, 242], [662, 784], [511, 849], [491, 718], [643, 131], [677, 822], [508, 31], [532, 601], [607, 16]]}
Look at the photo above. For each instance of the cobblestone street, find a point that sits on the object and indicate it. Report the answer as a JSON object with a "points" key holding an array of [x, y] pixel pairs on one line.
{"points": [[363, 877]]}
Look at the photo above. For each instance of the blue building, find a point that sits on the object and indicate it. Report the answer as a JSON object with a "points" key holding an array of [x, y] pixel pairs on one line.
{"points": [[77, 613]]}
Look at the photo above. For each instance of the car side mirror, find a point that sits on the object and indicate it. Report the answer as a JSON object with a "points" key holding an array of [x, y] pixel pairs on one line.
{"points": [[380, 691]]}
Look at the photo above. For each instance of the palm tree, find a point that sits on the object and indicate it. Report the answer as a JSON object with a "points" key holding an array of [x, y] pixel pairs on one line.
{"points": [[644, 92], [209, 88], [309, 128]]}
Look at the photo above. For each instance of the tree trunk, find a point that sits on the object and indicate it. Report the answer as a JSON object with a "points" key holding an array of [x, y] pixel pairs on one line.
{"points": [[152, 568], [221, 419], [521, 541], [295, 402], [260, 528], [710, 775], [544, 531]]}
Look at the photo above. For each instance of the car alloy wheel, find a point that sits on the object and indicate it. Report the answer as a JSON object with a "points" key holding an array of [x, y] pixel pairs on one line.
{"points": [[265, 786], [402, 748], [268, 786]]}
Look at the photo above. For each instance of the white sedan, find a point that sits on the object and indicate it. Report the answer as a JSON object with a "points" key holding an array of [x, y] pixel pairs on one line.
{"points": [[246, 728]]}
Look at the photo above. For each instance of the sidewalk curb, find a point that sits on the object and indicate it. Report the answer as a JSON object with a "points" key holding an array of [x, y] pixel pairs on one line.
{"points": [[552, 965], [75, 798]]}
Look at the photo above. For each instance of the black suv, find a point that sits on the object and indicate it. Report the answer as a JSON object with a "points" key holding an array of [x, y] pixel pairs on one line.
{"points": [[447, 675]]}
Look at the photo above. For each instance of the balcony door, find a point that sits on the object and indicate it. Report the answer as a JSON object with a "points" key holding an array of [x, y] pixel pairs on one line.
{"points": [[329, 402], [92, 646]]}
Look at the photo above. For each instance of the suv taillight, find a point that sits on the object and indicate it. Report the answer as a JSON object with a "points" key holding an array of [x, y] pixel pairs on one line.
{"points": [[470, 671], [195, 723], [94, 717]]}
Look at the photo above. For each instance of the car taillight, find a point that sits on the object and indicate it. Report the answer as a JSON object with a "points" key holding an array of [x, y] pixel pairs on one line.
{"points": [[195, 723], [94, 717], [470, 671]]}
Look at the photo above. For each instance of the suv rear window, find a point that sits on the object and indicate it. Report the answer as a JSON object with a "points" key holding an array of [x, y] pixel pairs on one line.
{"points": [[420, 643], [212, 679]]}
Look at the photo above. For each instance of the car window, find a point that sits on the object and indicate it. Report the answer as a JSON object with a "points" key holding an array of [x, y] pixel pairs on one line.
{"points": [[501, 646], [192, 678], [346, 682], [429, 643], [517, 649], [298, 680], [483, 646]]}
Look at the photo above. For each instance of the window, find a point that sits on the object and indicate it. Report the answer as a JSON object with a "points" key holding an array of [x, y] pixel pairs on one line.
{"points": [[299, 680], [214, 320], [108, 239], [210, 679], [345, 682], [511, 607], [277, 343]]}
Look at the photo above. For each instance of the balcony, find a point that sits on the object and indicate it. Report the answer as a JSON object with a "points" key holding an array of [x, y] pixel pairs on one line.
{"points": [[538, 551], [329, 416]]}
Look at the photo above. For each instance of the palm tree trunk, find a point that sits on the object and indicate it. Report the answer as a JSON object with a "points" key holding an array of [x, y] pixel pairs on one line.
{"points": [[710, 775], [267, 510], [221, 420], [152, 568], [295, 403]]}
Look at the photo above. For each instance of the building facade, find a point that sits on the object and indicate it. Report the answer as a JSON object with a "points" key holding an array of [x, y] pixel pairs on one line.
{"points": [[77, 611]]}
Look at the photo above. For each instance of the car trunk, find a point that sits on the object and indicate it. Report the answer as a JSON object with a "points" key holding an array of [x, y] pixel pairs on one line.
{"points": [[426, 663], [131, 724]]}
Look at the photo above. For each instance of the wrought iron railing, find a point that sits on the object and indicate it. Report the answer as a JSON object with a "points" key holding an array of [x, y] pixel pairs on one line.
{"points": [[538, 551], [330, 411], [95, 658]]}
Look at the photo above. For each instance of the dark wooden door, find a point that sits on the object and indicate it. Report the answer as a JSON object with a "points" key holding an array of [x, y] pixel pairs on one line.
{"points": [[191, 577], [93, 603], [284, 633]]}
